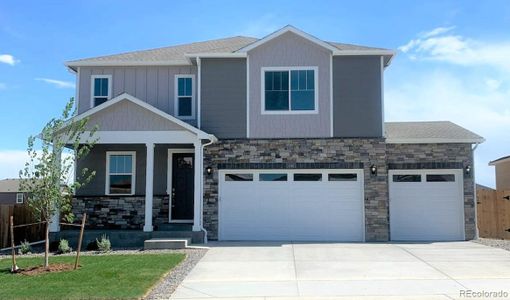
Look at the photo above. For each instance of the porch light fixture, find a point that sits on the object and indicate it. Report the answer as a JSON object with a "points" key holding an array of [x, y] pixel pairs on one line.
{"points": [[468, 169], [373, 170], [208, 170]]}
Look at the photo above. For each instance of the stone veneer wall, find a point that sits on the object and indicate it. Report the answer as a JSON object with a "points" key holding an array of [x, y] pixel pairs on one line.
{"points": [[441, 156], [119, 212], [296, 153]]}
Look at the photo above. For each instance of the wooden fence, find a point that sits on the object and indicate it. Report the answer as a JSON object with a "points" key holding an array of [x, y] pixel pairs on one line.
{"points": [[22, 215], [493, 211]]}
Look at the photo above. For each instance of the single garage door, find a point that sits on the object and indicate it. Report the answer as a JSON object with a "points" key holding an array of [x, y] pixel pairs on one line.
{"points": [[426, 205], [291, 205]]}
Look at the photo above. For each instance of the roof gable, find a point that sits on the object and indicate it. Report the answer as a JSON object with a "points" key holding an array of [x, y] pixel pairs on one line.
{"points": [[286, 29], [137, 106]]}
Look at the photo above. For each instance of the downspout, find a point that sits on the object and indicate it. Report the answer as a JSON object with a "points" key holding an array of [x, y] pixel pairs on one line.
{"points": [[474, 190], [212, 139]]}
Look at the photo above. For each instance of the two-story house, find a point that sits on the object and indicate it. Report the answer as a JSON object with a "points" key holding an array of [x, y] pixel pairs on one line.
{"points": [[279, 138]]}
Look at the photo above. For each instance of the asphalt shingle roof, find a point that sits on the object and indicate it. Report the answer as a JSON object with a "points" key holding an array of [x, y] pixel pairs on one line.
{"points": [[9, 185], [436, 131], [175, 55]]}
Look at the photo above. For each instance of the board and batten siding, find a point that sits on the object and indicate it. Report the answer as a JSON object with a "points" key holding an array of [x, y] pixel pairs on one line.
{"points": [[357, 96], [154, 85], [223, 97], [289, 50], [128, 116]]}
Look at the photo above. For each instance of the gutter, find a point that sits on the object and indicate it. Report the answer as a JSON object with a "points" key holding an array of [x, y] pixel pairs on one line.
{"points": [[212, 139]]}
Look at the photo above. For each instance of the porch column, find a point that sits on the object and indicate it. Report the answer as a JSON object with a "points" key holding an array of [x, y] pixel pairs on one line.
{"points": [[197, 186], [149, 187]]}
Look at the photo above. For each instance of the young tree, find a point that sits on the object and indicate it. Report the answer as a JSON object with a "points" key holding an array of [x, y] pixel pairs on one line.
{"points": [[47, 173]]}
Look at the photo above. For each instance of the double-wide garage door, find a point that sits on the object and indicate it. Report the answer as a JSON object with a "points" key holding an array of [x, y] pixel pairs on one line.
{"points": [[300, 205], [426, 205]]}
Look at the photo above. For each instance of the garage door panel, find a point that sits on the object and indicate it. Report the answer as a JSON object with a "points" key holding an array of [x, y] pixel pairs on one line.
{"points": [[427, 210], [292, 210]]}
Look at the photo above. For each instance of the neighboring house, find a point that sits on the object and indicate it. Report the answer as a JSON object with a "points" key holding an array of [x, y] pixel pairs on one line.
{"points": [[279, 138], [502, 173], [10, 193]]}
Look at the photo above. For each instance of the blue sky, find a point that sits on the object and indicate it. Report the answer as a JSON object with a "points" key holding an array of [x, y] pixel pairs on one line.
{"points": [[453, 61]]}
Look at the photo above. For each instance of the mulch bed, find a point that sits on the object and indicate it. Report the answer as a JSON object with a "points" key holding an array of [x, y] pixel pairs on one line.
{"points": [[33, 271]]}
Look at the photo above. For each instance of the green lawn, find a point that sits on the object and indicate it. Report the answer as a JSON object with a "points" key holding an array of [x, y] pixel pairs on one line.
{"points": [[99, 277]]}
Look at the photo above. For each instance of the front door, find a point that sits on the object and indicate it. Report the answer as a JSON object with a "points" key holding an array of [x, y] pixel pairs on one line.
{"points": [[182, 192]]}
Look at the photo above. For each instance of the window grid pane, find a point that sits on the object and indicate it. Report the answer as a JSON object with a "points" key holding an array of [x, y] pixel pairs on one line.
{"points": [[184, 106]]}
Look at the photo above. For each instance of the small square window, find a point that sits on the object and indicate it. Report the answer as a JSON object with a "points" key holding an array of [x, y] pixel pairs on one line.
{"points": [[238, 177], [272, 177], [307, 177], [407, 178], [440, 178], [343, 177]]}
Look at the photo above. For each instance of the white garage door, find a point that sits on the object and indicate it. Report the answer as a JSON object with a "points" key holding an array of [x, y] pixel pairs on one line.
{"points": [[426, 205], [300, 205]]}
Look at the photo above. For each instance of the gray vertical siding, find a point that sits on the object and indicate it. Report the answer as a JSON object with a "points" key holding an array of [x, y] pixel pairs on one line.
{"points": [[154, 85], [286, 50], [357, 102], [223, 97]]}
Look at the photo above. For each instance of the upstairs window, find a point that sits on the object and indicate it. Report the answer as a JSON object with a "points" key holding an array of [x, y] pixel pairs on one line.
{"points": [[120, 175], [290, 90], [101, 89], [184, 98], [20, 198]]}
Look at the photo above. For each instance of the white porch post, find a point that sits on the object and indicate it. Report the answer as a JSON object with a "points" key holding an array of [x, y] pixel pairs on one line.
{"points": [[197, 186], [149, 187]]}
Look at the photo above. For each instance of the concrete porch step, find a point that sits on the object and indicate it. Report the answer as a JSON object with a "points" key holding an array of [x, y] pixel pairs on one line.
{"points": [[166, 243]]}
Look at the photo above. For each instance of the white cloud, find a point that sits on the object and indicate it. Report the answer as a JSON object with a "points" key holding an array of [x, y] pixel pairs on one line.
{"points": [[58, 83], [493, 84], [444, 95], [8, 59], [441, 44], [436, 31]]}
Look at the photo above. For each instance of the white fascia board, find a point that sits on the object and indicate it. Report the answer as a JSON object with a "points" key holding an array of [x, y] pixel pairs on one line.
{"points": [[125, 96], [434, 141], [504, 160], [216, 55], [283, 30], [363, 52]]}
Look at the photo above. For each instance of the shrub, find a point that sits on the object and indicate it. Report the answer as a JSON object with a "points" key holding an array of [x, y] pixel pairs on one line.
{"points": [[104, 245], [63, 246], [25, 248]]}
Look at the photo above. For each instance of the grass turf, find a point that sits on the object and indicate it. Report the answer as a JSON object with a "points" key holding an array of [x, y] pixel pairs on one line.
{"points": [[99, 277]]}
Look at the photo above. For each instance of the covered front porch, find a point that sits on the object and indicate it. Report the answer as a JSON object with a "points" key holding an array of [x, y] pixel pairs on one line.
{"points": [[149, 170]]}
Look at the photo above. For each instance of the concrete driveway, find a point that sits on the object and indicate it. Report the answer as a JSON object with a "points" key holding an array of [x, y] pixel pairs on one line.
{"points": [[346, 271]]}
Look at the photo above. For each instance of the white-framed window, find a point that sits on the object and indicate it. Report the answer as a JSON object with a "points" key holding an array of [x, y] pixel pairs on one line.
{"points": [[20, 197], [185, 96], [101, 89], [120, 172], [289, 90]]}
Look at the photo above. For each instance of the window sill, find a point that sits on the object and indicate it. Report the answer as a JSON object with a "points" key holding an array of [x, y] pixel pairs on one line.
{"points": [[290, 112]]}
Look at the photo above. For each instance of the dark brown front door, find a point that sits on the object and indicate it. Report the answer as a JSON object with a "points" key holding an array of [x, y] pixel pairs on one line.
{"points": [[182, 186]]}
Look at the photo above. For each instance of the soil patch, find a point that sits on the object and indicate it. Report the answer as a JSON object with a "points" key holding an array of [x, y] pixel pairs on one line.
{"points": [[33, 271]]}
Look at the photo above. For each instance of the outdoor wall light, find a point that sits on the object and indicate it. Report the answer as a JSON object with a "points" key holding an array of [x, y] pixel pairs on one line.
{"points": [[208, 170], [373, 170], [468, 169]]}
